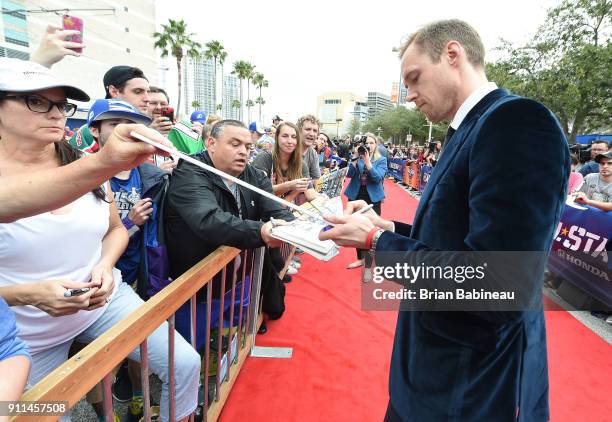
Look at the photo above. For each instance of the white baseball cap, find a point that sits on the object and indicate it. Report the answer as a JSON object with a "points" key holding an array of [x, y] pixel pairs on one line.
{"points": [[25, 76]]}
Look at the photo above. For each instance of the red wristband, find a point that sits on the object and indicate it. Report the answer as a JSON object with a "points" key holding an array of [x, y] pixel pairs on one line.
{"points": [[371, 234]]}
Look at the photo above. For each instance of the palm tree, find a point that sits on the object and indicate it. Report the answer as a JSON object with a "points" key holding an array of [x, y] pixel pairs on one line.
{"points": [[249, 104], [236, 104], [260, 101], [214, 49], [175, 40], [260, 82], [242, 70], [249, 78], [195, 104]]}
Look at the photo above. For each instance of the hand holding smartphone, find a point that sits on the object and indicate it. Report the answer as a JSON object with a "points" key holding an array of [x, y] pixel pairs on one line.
{"points": [[76, 24], [168, 112]]}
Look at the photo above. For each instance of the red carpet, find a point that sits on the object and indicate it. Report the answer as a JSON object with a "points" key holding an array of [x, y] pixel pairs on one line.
{"points": [[340, 362]]}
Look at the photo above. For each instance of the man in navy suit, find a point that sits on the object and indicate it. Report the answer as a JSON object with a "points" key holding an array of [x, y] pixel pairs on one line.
{"points": [[499, 185]]}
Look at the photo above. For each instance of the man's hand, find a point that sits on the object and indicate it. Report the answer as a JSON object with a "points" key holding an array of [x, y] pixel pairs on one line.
{"points": [[167, 166], [141, 211], [102, 278], [349, 230], [122, 152], [581, 198], [49, 296], [54, 46], [162, 124], [266, 233], [354, 206]]}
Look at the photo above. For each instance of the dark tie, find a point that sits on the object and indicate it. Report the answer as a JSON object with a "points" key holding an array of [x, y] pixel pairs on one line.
{"points": [[449, 134]]}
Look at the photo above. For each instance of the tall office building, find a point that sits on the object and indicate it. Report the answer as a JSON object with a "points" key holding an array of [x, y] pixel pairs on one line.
{"points": [[115, 33], [198, 88], [231, 92], [361, 111], [377, 103], [198, 85], [336, 110]]}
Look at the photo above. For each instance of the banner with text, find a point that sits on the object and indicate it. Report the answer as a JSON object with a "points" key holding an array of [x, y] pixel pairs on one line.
{"points": [[396, 168], [579, 251]]}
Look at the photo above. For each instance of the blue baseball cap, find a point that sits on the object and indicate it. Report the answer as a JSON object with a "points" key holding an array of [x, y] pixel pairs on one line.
{"points": [[115, 109], [198, 116], [256, 127]]}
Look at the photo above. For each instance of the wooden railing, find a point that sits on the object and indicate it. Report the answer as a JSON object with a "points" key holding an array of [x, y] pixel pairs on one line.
{"points": [[81, 372]]}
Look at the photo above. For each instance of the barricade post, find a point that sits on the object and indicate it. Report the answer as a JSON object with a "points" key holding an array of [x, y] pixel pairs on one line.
{"points": [[94, 363]]}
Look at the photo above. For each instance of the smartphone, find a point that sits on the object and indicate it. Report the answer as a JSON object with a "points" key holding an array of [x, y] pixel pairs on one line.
{"points": [[168, 112], [76, 292], [72, 22]]}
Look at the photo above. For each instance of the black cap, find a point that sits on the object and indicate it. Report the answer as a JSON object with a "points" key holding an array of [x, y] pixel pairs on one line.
{"points": [[600, 157], [277, 117], [118, 75]]}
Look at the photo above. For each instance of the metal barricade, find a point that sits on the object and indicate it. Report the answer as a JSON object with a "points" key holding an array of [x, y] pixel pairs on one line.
{"points": [[216, 277]]}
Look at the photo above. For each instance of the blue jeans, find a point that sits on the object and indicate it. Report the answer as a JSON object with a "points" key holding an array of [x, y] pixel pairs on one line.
{"points": [[186, 359]]}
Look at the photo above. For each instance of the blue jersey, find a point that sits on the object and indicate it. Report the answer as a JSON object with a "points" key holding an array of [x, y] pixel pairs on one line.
{"points": [[127, 193]]}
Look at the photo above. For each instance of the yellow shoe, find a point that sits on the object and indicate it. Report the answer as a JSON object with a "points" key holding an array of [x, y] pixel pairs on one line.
{"points": [[154, 414]]}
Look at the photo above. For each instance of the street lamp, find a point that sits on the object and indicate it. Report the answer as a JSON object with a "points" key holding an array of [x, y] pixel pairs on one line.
{"points": [[338, 120]]}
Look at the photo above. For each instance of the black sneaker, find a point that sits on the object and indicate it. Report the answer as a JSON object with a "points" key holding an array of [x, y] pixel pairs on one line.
{"points": [[287, 278], [122, 387], [263, 328]]}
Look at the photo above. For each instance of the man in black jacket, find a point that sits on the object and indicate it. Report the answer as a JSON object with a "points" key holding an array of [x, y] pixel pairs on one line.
{"points": [[204, 211]]}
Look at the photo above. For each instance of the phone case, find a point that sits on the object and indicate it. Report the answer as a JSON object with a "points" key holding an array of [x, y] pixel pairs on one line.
{"points": [[72, 22]]}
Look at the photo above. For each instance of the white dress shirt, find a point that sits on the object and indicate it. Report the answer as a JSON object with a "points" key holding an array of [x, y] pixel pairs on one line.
{"points": [[470, 102]]}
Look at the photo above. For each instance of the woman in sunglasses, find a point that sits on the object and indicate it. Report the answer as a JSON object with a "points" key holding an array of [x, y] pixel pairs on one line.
{"points": [[63, 262]]}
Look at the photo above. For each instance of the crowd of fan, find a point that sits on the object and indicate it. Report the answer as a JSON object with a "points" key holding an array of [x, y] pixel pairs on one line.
{"points": [[73, 272], [590, 183]]}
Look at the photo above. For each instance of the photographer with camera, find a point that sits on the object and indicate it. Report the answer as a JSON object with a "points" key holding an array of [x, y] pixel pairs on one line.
{"points": [[367, 170], [598, 146]]}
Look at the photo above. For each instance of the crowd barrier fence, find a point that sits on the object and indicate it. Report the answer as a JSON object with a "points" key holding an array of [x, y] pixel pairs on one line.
{"points": [[96, 362], [410, 172], [579, 252]]}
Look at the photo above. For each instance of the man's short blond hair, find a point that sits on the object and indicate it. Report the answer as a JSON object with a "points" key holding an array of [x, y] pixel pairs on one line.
{"points": [[433, 37], [308, 118]]}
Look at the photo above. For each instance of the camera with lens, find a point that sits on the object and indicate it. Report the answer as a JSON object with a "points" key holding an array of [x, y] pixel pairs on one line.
{"points": [[359, 142], [583, 152]]}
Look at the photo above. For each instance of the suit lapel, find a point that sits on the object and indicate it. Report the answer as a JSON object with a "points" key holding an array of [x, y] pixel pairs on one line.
{"points": [[452, 147]]}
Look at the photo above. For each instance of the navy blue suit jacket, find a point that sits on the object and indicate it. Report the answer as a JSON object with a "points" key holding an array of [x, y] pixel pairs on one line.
{"points": [[500, 185]]}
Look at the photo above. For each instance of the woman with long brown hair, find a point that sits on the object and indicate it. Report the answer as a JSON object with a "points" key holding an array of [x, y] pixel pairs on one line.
{"points": [[288, 174], [284, 166]]}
